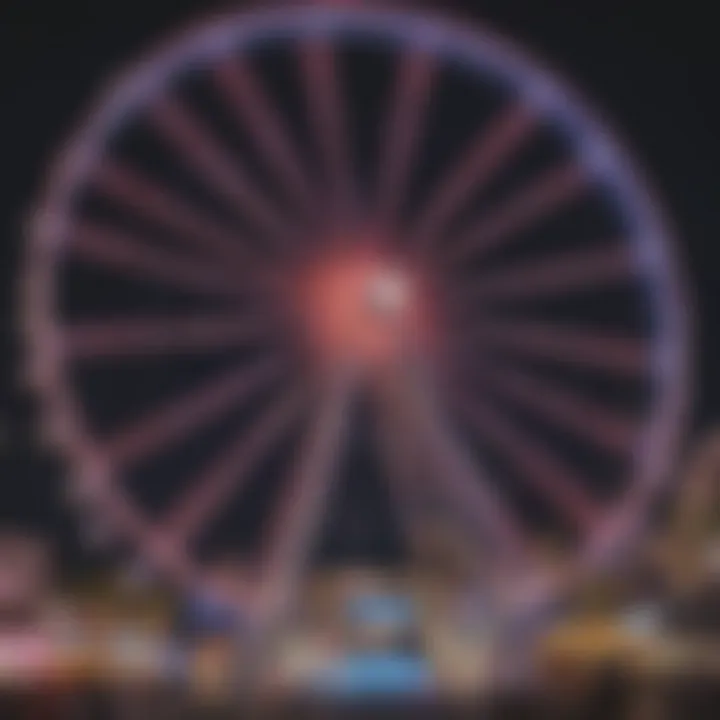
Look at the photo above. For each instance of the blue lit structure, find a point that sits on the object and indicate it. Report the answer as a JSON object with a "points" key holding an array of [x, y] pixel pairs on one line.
{"points": [[380, 672]]}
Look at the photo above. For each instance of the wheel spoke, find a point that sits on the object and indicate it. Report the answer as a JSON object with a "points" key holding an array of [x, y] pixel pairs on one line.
{"points": [[293, 530], [118, 338], [576, 415], [462, 478], [225, 176], [580, 270], [95, 243], [487, 152], [179, 418], [108, 497], [544, 471], [406, 477], [142, 195], [247, 98], [325, 104], [405, 124], [595, 350], [541, 198], [230, 473]]}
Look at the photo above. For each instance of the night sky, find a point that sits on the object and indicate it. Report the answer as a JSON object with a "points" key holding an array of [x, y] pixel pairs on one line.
{"points": [[652, 73]]}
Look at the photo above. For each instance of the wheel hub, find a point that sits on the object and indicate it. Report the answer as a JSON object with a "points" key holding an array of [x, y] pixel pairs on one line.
{"points": [[363, 306]]}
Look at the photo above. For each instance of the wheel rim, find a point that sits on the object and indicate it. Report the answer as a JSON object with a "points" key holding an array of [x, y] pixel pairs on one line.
{"points": [[423, 48]]}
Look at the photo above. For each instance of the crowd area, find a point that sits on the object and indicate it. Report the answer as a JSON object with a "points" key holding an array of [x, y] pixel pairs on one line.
{"points": [[368, 641]]}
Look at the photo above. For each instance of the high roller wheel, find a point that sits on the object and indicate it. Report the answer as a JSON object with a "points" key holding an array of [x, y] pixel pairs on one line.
{"points": [[282, 210]]}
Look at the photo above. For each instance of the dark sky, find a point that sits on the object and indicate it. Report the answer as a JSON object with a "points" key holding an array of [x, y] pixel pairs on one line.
{"points": [[653, 71]]}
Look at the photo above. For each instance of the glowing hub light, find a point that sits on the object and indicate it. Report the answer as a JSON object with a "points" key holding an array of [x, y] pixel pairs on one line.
{"points": [[389, 294], [362, 306]]}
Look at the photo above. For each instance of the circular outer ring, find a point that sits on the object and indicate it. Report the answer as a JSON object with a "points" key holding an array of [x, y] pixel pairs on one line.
{"points": [[476, 49]]}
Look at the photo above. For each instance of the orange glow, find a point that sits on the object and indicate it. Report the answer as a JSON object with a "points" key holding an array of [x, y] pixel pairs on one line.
{"points": [[359, 304]]}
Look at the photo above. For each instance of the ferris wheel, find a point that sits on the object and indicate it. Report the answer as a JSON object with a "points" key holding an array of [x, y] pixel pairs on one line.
{"points": [[282, 214]]}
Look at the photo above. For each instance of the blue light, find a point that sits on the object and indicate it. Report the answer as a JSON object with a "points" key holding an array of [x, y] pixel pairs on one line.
{"points": [[377, 675], [393, 611]]}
